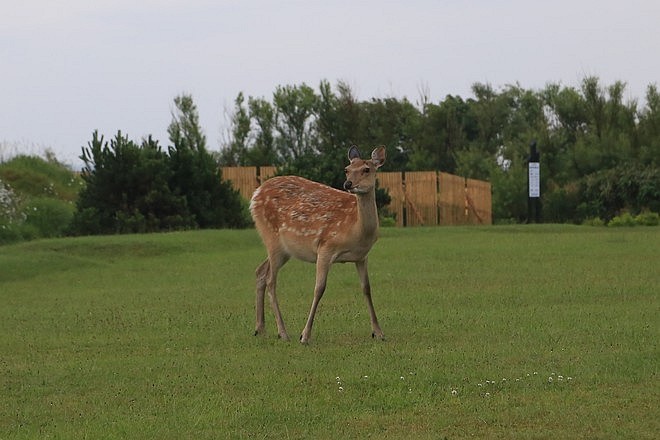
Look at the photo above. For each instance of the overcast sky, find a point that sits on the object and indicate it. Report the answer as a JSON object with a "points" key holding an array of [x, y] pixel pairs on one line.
{"points": [[68, 67]]}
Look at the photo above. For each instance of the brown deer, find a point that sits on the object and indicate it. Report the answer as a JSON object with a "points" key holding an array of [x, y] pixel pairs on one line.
{"points": [[316, 223]]}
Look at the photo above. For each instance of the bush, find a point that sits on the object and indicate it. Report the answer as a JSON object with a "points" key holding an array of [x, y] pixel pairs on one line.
{"points": [[595, 221], [133, 188], [9, 233], [624, 219], [36, 198], [86, 221], [387, 222], [629, 187], [34, 176], [560, 204], [648, 219], [49, 217], [9, 202]]}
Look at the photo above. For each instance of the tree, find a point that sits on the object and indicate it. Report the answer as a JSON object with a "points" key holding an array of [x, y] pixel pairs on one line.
{"points": [[127, 189], [446, 128], [236, 152], [337, 127], [263, 151], [294, 111], [196, 176], [649, 128]]}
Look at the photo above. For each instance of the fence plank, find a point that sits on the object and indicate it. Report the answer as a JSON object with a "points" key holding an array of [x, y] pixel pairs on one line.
{"points": [[244, 179], [451, 199], [266, 173], [421, 198], [479, 201]]}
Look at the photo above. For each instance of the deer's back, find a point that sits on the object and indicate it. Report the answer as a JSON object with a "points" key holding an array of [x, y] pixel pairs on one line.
{"points": [[301, 214], [295, 203]]}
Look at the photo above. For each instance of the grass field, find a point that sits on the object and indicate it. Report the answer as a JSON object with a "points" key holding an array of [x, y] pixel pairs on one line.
{"points": [[500, 332]]}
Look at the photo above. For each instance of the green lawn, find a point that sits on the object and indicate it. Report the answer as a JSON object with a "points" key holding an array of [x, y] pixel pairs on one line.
{"points": [[499, 332]]}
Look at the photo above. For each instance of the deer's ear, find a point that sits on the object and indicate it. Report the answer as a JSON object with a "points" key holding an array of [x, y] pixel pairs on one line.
{"points": [[378, 156], [353, 153]]}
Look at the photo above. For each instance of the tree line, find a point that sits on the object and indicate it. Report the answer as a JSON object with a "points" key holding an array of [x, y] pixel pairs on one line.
{"points": [[599, 151]]}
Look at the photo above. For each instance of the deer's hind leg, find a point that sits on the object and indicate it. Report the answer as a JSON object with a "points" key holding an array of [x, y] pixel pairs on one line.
{"points": [[276, 261], [262, 277]]}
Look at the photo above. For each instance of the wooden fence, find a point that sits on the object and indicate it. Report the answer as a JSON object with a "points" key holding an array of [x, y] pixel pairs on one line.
{"points": [[419, 198]]}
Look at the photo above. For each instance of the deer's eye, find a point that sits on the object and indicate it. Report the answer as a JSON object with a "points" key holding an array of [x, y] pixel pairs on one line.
{"points": [[366, 170], [346, 171]]}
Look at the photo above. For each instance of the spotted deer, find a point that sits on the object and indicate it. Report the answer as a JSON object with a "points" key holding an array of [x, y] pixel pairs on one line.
{"points": [[298, 218]]}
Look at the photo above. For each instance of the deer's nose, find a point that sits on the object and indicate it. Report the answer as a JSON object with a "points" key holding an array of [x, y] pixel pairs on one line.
{"points": [[348, 185]]}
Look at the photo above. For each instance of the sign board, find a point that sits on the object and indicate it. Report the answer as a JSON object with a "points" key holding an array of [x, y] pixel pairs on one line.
{"points": [[534, 179]]}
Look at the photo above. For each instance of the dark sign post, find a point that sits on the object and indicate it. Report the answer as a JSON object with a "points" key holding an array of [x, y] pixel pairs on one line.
{"points": [[534, 185]]}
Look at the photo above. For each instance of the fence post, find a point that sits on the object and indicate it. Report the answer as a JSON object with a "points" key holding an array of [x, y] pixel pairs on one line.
{"points": [[534, 185]]}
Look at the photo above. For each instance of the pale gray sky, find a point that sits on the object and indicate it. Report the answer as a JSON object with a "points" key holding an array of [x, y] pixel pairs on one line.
{"points": [[69, 67]]}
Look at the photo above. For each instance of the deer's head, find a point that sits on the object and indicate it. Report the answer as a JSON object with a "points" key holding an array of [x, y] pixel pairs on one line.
{"points": [[361, 174]]}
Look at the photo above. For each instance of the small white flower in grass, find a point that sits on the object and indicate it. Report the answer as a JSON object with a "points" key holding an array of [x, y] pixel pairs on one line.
{"points": [[365, 377], [536, 373], [560, 378], [402, 378], [487, 395], [480, 384], [550, 379], [569, 378], [454, 392], [341, 389], [338, 378]]}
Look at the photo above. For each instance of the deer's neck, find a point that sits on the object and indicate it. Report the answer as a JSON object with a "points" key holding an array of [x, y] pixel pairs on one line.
{"points": [[367, 214]]}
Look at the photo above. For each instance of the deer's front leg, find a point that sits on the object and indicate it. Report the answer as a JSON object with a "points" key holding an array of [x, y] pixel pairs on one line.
{"points": [[361, 267], [322, 268]]}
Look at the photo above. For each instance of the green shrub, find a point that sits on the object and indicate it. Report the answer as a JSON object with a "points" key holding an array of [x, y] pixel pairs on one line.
{"points": [[38, 177], [388, 222], [594, 221], [86, 221], [629, 186], [625, 219], [560, 204], [9, 233], [645, 218], [648, 219], [49, 217]]}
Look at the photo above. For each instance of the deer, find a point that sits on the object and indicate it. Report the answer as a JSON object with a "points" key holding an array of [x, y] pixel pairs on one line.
{"points": [[306, 220]]}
